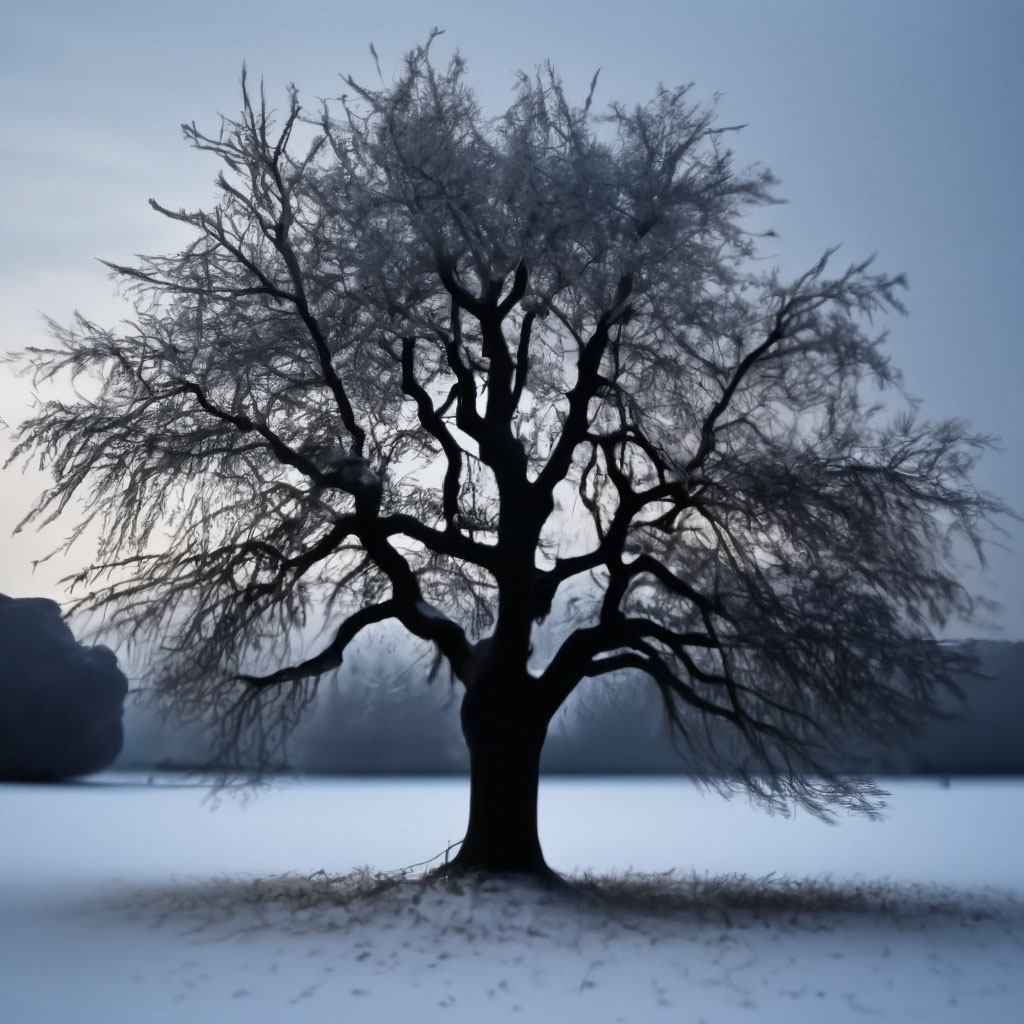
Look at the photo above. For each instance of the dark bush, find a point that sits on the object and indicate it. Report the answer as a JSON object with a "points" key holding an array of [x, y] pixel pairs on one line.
{"points": [[60, 701]]}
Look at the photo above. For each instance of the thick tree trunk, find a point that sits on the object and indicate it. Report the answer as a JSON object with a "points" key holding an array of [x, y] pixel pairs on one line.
{"points": [[504, 729]]}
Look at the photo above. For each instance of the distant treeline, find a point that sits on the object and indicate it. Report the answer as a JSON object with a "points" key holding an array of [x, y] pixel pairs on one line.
{"points": [[370, 720]]}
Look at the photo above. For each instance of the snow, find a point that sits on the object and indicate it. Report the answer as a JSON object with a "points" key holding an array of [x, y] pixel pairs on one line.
{"points": [[125, 899]]}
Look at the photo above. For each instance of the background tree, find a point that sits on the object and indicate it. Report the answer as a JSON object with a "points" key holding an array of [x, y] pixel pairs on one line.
{"points": [[449, 370]]}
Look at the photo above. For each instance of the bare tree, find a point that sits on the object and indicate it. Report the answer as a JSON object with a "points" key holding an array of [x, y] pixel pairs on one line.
{"points": [[445, 369]]}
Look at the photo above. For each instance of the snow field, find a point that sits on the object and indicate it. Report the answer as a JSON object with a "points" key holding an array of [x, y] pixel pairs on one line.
{"points": [[124, 903]]}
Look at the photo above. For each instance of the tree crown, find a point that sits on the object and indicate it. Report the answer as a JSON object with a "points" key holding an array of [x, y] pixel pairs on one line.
{"points": [[445, 369]]}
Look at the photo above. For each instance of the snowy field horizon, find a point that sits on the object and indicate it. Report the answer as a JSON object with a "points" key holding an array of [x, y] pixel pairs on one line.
{"points": [[154, 902]]}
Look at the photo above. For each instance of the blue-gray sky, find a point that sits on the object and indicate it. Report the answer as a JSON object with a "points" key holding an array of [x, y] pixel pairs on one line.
{"points": [[895, 127]]}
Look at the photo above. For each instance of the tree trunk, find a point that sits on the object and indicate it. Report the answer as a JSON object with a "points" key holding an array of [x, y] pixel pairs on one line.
{"points": [[504, 729]]}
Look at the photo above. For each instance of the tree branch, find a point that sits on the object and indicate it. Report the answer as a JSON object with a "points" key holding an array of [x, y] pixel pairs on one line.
{"points": [[332, 655], [588, 380], [435, 425]]}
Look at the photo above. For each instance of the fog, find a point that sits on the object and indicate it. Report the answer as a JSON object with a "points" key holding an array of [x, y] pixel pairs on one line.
{"points": [[377, 715]]}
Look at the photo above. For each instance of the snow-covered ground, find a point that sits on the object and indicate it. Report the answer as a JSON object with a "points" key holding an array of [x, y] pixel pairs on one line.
{"points": [[128, 900]]}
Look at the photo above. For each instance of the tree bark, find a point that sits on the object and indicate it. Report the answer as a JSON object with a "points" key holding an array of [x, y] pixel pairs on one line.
{"points": [[505, 728]]}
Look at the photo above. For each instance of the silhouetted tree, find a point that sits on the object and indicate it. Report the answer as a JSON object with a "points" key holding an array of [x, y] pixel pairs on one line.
{"points": [[439, 368]]}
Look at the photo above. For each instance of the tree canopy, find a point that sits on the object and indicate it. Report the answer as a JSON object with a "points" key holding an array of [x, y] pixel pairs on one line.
{"points": [[428, 365]]}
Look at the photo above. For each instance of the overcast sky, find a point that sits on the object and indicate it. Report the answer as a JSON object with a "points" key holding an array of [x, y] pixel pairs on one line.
{"points": [[895, 127]]}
